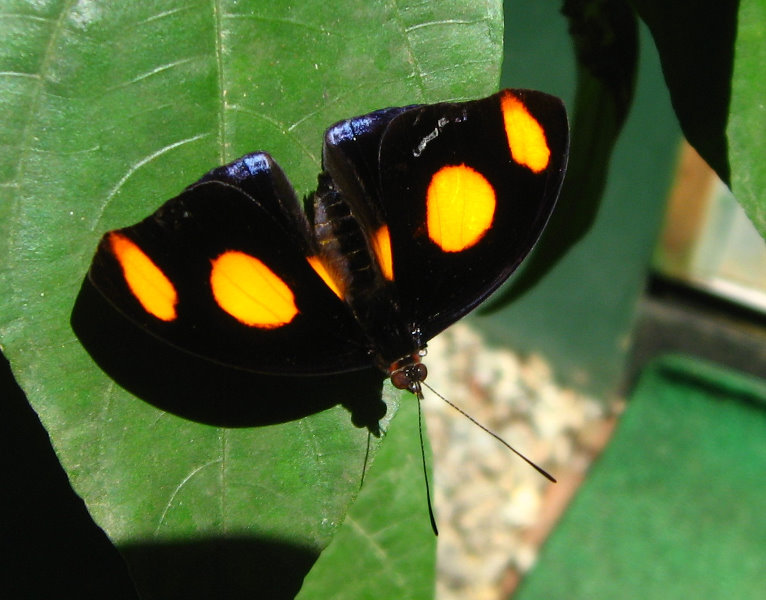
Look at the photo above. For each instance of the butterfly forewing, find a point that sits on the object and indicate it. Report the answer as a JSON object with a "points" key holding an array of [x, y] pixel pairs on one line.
{"points": [[222, 271], [463, 207]]}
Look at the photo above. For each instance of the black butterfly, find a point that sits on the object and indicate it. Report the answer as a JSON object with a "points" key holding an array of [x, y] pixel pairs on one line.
{"points": [[420, 213]]}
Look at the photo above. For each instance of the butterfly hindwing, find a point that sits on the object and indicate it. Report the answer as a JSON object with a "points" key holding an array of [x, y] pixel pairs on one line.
{"points": [[222, 271]]}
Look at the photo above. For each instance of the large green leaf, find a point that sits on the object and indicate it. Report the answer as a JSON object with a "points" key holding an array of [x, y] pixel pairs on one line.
{"points": [[110, 108]]}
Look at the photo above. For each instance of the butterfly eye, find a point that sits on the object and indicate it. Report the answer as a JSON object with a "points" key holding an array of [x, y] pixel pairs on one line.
{"points": [[421, 371], [400, 380], [409, 377]]}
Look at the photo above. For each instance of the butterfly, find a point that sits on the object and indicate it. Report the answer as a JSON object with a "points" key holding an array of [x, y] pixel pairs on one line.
{"points": [[420, 213]]}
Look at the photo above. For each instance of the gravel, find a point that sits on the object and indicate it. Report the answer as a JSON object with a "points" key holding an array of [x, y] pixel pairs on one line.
{"points": [[492, 509]]}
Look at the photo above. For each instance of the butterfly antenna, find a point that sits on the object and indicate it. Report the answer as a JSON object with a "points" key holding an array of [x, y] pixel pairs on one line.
{"points": [[366, 460], [419, 396], [537, 468]]}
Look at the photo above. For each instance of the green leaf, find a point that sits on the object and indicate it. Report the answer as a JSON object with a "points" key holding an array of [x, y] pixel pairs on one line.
{"points": [[377, 536], [747, 118], [111, 108]]}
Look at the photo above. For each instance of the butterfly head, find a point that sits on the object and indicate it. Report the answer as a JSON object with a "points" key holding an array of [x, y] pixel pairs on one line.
{"points": [[408, 372]]}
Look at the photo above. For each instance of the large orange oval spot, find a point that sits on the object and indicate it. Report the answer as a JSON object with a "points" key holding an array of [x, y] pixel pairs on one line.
{"points": [[146, 281], [460, 205], [250, 292], [526, 137]]}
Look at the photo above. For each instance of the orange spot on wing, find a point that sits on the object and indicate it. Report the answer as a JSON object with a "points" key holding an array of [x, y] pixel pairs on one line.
{"points": [[526, 137], [381, 244], [251, 292], [460, 206], [146, 281], [320, 269]]}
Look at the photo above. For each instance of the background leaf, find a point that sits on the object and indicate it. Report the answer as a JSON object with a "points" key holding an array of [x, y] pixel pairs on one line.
{"points": [[712, 56], [695, 41], [747, 121], [111, 109]]}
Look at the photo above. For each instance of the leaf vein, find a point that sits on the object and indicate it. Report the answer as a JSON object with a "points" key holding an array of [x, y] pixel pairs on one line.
{"points": [[20, 74], [218, 42], [412, 28], [385, 558], [411, 55], [178, 489], [37, 18], [150, 73], [279, 126], [310, 26], [165, 13], [27, 134], [136, 166]]}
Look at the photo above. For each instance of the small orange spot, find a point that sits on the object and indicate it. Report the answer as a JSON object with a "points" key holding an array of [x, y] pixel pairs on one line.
{"points": [[381, 244], [250, 292], [460, 206], [526, 137], [146, 281], [320, 269]]}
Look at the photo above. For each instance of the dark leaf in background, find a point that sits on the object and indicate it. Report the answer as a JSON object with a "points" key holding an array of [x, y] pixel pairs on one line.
{"points": [[695, 41], [604, 35]]}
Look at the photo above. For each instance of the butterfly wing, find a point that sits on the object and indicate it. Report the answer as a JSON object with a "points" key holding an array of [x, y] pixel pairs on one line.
{"points": [[351, 153], [465, 190], [223, 271]]}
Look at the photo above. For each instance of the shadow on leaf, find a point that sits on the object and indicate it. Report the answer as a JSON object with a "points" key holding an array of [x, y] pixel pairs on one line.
{"points": [[232, 567], [201, 390]]}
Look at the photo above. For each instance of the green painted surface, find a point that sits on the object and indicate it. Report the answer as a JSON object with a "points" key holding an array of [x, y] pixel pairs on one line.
{"points": [[674, 507]]}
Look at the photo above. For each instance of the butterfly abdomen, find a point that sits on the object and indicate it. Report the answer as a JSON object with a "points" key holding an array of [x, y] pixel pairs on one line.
{"points": [[342, 244]]}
